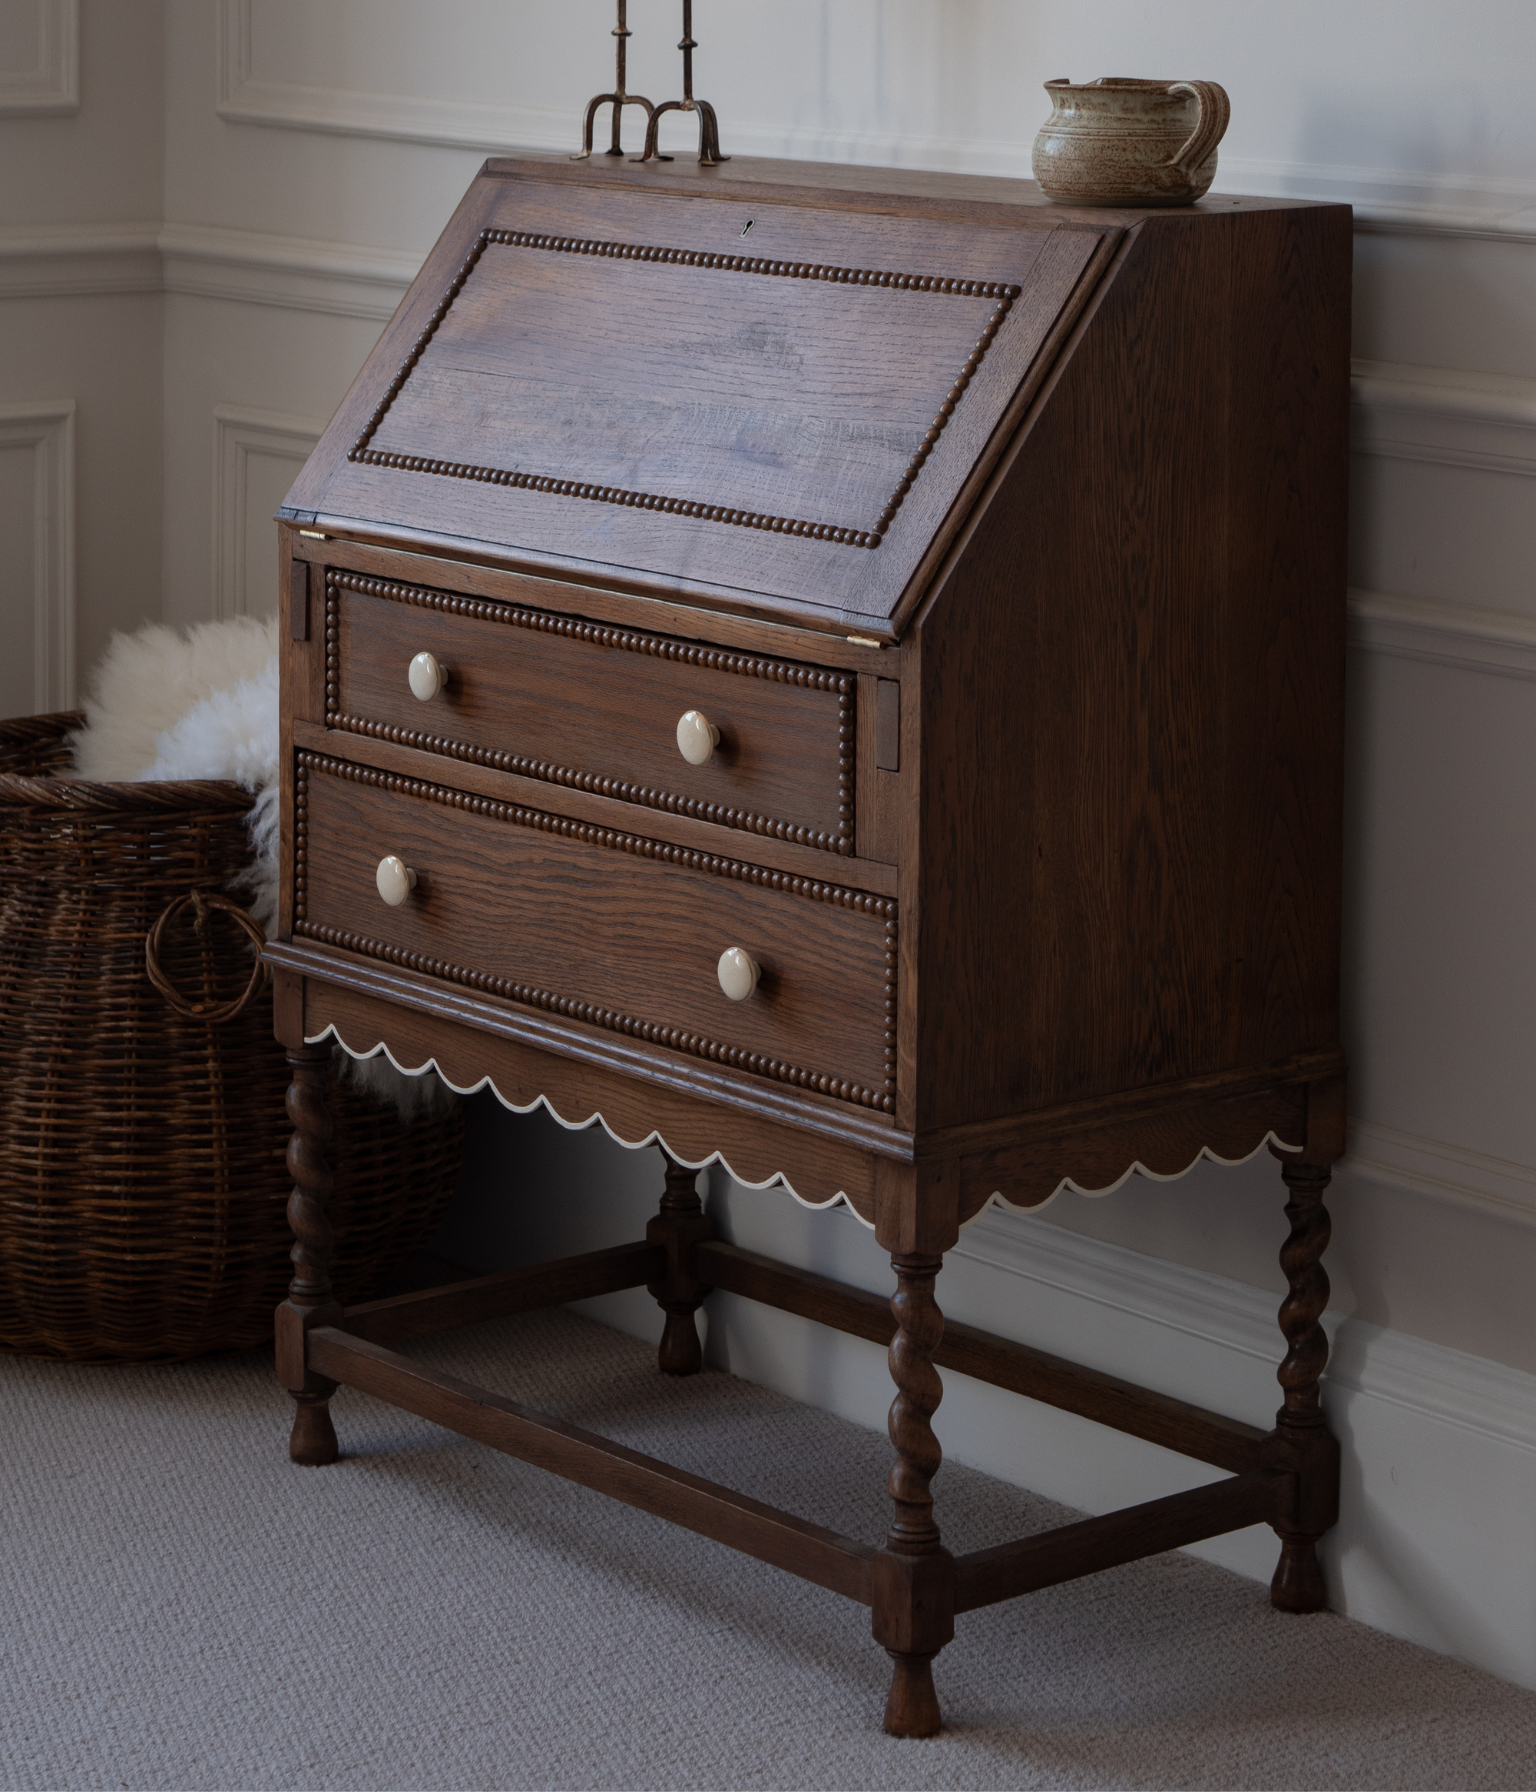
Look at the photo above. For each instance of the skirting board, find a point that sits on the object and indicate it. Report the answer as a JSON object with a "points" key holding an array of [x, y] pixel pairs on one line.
{"points": [[1439, 1447]]}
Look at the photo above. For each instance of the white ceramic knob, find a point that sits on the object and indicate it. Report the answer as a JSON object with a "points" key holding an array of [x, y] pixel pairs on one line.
{"points": [[427, 676], [697, 737], [738, 973], [395, 879]]}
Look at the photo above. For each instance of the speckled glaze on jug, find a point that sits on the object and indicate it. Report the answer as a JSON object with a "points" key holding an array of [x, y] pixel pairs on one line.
{"points": [[1119, 141]]}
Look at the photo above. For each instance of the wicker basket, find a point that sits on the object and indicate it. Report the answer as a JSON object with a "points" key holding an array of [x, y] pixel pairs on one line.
{"points": [[142, 1180]]}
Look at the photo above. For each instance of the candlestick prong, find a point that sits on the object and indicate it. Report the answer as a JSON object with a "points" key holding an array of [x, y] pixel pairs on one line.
{"points": [[709, 125], [618, 99]]}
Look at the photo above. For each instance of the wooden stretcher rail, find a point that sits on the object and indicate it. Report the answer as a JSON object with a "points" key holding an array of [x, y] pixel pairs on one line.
{"points": [[511, 1291], [815, 1554], [1188, 1430], [987, 1576]]}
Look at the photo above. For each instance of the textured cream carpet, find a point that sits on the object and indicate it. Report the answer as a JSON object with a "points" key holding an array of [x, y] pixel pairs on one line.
{"points": [[179, 1607]]}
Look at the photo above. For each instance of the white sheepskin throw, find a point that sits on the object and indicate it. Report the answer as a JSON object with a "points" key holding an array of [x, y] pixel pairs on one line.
{"points": [[165, 705], [145, 683]]}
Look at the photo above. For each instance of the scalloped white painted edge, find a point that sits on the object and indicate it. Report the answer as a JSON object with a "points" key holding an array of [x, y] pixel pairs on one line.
{"points": [[1205, 1153], [596, 1118], [654, 1137]]}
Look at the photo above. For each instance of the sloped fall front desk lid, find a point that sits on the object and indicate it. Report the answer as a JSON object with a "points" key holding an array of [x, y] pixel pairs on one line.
{"points": [[780, 407]]}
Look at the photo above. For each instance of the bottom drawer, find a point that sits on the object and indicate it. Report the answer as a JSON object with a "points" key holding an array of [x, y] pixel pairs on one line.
{"points": [[605, 927]]}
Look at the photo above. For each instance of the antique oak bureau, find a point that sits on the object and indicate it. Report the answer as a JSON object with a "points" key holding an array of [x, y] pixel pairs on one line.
{"points": [[838, 672]]}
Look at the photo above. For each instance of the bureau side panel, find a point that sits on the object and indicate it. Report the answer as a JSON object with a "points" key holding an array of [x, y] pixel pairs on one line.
{"points": [[1131, 693], [1287, 465]]}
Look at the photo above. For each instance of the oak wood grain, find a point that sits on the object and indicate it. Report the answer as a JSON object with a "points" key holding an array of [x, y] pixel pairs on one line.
{"points": [[612, 929], [596, 707], [760, 1129], [544, 252], [857, 872], [1081, 473], [1152, 858], [621, 599]]}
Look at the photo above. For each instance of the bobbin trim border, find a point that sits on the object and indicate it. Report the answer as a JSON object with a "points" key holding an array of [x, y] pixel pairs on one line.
{"points": [[844, 535], [309, 764]]}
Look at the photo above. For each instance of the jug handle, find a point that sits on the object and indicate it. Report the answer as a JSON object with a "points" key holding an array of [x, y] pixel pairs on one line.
{"points": [[1211, 120]]}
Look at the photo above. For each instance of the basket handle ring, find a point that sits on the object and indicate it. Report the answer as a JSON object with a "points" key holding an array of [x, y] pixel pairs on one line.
{"points": [[213, 1013]]}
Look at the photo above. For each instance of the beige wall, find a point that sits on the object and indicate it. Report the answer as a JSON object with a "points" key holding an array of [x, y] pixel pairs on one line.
{"points": [[313, 148]]}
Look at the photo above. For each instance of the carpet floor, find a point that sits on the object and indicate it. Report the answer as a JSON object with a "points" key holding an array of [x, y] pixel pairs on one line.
{"points": [[182, 1608]]}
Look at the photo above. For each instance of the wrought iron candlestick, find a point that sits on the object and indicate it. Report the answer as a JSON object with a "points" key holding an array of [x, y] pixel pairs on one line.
{"points": [[709, 127], [618, 99]]}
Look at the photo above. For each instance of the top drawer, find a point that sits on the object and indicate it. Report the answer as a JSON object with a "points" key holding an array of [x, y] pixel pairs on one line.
{"points": [[584, 704]]}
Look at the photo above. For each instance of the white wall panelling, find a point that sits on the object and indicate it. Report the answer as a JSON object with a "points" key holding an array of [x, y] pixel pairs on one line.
{"points": [[1461, 636], [1446, 1172], [862, 73], [40, 57], [257, 456], [37, 463], [1445, 417], [246, 98], [48, 261], [293, 272], [298, 274]]}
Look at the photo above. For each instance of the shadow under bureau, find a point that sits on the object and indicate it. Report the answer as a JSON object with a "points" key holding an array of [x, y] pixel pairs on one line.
{"points": [[838, 672]]}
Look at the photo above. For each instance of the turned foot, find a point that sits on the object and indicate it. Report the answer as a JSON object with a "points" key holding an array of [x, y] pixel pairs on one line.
{"points": [[312, 1442], [680, 1352], [677, 1228], [912, 1706], [1298, 1584]]}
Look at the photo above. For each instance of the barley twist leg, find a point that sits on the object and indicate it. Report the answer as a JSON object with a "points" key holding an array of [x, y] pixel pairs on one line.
{"points": [[1301, 1441], [914, 1602], [310, 1299]]}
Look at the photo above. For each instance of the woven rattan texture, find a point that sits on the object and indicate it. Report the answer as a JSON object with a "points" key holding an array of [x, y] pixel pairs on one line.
{"points": [[143, 1187]]}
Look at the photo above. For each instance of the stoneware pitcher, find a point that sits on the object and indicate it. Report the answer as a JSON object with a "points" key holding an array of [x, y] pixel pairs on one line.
{"points": [[1118, 141]]}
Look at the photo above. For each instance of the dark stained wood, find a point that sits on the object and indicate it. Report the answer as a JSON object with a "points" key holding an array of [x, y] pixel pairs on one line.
{"points": [[1188, 1430], [428, 1310], [888, 725], [1096, 643], [597, 708], [310, 1301], [731, 464], [676, 1232], [914, 1602], [987, 1576], [852, 187], [1047, 506], [822, 1147], [808, 1550], [1282, 632], [616, 602], [298, 600], [1301, 1442], [610, 929], [811, 862]]}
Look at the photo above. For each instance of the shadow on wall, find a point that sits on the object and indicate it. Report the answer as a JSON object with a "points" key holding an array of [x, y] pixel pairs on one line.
{"points": [[532, 1190]]}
